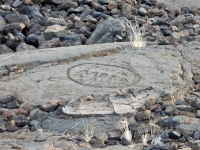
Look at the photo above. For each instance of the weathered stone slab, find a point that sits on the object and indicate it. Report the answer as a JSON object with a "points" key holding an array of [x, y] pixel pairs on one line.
{"points": [[54, 55], [65, 74]]}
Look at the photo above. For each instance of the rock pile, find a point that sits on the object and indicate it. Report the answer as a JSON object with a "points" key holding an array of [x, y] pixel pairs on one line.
{"points": [[165, 121], [36, 24]]}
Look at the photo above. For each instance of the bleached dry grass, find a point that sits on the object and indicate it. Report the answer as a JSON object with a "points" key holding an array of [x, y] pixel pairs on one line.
{"points": [[127, 132], [89, 129], [145, 138], [135, 34]]}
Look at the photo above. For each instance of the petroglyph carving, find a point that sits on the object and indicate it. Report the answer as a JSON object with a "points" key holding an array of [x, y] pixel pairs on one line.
{"points": [[103, 75]]}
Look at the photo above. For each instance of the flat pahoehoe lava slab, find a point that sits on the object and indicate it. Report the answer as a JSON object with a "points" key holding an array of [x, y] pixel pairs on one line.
{"points": [[97, 70]]}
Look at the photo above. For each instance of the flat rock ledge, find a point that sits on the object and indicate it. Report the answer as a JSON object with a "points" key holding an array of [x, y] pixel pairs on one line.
{"points": [[69, 73], [120, 103], [56, 98]]}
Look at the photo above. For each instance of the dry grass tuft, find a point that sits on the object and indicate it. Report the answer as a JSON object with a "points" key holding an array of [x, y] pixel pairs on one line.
{"points": [[135, 34]]}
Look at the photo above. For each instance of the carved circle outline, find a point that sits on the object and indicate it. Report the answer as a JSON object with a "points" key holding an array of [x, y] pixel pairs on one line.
{"points": [[132, 70]]}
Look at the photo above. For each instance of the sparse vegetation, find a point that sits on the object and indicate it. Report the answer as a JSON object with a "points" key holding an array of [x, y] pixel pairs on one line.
{"points": [[135, 34], [127, 132], [145, 138], [89, 129]]}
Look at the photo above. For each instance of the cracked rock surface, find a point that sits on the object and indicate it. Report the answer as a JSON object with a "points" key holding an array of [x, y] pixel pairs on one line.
{"points": [[168, 68], [77, 97]]}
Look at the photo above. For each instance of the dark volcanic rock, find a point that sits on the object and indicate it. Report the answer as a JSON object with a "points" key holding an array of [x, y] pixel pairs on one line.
{"points": [[12, 128], [126, 10], [33, 27], [7, 99], [15, 18], [36, 22], [14, 43], [142, 11], [196, 79], [107, 30], [185, 10], [167, 122], [13, 105], [174, 135], [20, 120], [32, 39], [15, 29], [160, 22], [167, 31]]}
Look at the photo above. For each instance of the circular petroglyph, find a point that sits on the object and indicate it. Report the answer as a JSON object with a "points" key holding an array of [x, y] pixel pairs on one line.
{"points": [[103, 75]]}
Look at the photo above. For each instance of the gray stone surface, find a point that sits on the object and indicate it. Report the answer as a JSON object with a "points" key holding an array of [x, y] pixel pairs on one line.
{"points": [[68, 73], [177, 4]]}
